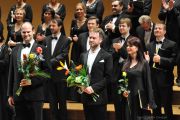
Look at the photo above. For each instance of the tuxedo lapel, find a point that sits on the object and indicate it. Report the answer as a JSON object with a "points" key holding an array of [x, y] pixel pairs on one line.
{"points": [[49, 47], [85, 58], [33, 49], [58, 45], [98, 57], [19, 54], [164, 44], [154, 47]]}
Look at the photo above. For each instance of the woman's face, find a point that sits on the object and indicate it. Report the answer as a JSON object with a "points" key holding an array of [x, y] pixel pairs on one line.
{"points": [[131, 49], [47, 16], [79, 11], [19, 15]]}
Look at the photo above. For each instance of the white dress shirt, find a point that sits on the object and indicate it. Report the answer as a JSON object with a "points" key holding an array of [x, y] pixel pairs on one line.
{"points": [[87, 44], [159, 45], [27, 50], [54, 42], [91, 57]]}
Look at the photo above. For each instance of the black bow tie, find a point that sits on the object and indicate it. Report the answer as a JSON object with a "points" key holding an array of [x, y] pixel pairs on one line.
{"points": [[55, 38], [159, 42], [122, 39], [27, 45], [117, 15]]}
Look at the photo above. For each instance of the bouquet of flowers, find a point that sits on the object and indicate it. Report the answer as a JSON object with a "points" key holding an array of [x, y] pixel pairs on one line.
{"points": [[78, 77], [123, 83], [29, 67]]}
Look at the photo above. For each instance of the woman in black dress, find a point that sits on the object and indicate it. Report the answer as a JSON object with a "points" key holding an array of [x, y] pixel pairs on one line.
{"points": [[43, 29], [78, 26], [139, 94], [20, 4], [14, 32], [94, 8], [60, 11]]}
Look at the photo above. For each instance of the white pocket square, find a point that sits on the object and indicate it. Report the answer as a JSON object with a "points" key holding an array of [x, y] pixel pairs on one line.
{"points": [[101, 61]]}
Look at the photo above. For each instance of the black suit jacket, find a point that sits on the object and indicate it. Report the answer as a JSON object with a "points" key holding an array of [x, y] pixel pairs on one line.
{"points": [[145, 10], [101, 73], [117, 66], [33, 92], [109, 18], [164, 72], [60, 54]]}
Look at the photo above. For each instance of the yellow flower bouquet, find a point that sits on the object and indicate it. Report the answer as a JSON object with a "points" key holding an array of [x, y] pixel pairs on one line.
{"points": [[78, 77], [29, 67]]}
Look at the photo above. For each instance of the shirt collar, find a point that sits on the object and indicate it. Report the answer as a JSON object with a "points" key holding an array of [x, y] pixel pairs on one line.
{"points": [[57, 35], [95, 51]]}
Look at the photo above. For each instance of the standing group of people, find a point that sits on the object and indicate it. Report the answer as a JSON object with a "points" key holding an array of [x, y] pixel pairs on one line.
{"points": [[125, 41]]}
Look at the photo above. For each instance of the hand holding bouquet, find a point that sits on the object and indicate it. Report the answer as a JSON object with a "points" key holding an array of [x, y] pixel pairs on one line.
{"points": [[78, 77], [29, 67]]}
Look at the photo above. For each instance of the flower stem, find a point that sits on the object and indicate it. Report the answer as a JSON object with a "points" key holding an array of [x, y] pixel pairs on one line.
{"points": [[19, 91]]}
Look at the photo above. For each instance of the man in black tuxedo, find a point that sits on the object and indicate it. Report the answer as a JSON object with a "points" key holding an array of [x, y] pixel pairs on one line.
{"points": [[100, 65], [169, 13], [28, 105], [145, 30], [83, 39], [57, 50], [83, 46], [162, 52], [110, 24]]}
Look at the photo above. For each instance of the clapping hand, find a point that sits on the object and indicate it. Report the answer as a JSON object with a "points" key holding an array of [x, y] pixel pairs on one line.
{"points": [[146, 56]]}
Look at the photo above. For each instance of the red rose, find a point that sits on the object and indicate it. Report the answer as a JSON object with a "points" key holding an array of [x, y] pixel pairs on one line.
{"points": [[24, 57], [39, 50]]}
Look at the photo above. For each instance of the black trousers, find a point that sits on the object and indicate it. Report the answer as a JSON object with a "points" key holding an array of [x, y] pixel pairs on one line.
{"points": [[29, 110], [58, 95], [163, 98], [95, 112]]}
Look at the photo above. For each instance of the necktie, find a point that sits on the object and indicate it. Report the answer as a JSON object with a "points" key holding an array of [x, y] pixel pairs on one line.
{"points": [[27, 45]]}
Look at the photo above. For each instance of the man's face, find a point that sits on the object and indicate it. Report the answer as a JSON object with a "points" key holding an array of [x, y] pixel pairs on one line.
{"points": [[159, 30], [92, 24], [54, 28], [146, 25], [123, 28], [116, 8], [27, 32], [94, 40]]}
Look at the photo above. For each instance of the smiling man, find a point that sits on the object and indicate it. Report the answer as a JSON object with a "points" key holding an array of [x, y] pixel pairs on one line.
{"points": [[28, 105]]}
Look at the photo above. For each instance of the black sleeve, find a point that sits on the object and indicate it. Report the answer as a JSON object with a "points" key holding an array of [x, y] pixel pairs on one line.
{"points": [[29, 14]]}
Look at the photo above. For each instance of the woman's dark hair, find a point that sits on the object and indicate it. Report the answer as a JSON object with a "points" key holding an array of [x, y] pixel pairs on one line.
{"points": [[48, 9], [134, 41]]}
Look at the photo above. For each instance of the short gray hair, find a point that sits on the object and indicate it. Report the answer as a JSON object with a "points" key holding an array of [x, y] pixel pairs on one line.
{"points": [[145, 18]]}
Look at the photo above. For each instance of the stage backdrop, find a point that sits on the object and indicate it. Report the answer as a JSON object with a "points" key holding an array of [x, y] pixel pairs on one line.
{"points": [[70, 7]]}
